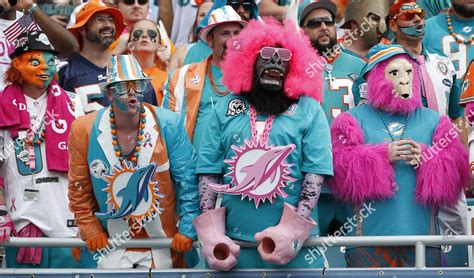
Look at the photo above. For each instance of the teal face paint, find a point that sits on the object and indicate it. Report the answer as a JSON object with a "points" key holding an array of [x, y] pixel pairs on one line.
{"points": [[120, 104], [417, 30], [51, 69]]}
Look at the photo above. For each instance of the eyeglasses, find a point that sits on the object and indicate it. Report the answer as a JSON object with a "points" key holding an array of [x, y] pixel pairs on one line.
{"points": [[247, 6], [131, 2], [268, 52], [410, 14], [316, 22], [121, 89], [152, 34]]}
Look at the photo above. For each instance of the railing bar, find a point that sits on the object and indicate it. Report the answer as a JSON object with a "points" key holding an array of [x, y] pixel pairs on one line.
{"points": [[311, 242], [420, 255]]}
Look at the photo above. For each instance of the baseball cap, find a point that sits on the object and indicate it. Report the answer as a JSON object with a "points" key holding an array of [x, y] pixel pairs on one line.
{"points": [[35, 40], [316, 4]]}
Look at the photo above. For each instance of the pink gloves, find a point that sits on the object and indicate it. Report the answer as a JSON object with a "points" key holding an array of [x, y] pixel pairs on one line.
{"points": [[29, 255], [6, 228], [281, 243], [219, 250]]}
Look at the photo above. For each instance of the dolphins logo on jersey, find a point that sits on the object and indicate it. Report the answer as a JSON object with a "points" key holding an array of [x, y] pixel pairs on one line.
{"points": [[132, 193], [98, 169], [236, 107], [465, 85], [258, 171], [395, 129], [443, 68]]}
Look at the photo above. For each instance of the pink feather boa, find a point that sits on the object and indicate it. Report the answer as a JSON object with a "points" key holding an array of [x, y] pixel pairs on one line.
{"points": [[304, 76], [379, 92], [444, 169], [361, 172]]}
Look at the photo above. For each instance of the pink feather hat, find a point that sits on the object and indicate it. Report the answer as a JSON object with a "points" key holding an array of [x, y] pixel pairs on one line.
{"points": [[304, 75]]}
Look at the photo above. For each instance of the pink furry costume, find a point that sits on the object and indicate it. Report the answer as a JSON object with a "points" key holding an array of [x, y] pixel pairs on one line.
{"points": [[269, 142], [395, 162]]}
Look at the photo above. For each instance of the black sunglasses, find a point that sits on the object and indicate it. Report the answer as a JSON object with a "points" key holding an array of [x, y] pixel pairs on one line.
{"points": [[131, 2], [316, 22], [152, 34], [247, 6]]}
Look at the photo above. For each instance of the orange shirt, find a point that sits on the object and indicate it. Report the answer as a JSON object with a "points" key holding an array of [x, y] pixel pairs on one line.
{"points": [[159, 78]]}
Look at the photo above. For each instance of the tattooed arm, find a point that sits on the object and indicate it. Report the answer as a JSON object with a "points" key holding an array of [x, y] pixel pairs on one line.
{"points": [[207, 197], [310, 191]]}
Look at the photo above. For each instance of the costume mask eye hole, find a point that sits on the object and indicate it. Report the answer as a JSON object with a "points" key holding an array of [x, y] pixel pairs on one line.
{"points": [[409, 72], [34, 62], [393, 73]]}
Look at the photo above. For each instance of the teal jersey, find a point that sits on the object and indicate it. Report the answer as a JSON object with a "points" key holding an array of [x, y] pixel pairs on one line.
{"points": [[338, 97], [401, 214], [303, 124], [438, 38], [197, 52], [434, 7], [208, 101], [353, 54]]}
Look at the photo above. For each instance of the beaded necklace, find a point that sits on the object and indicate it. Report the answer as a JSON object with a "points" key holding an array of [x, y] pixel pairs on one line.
{"points": [[388, 130], [38, 137], [457, 37], [117, 147], [213, 84]]}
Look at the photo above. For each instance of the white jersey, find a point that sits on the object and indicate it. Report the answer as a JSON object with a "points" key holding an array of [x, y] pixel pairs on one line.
{"points": [[50, 212], [184, 15]]}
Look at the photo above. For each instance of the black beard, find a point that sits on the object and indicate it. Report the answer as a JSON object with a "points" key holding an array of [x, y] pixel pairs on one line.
{"points": [[464, 11], [268, 102], [324, 50], [96, 38]]}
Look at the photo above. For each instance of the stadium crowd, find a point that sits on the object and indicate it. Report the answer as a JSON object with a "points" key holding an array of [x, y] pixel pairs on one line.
{"points": [[263, 121]]}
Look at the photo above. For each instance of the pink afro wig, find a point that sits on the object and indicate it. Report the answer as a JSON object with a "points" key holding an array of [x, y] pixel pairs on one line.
{"points": [[238, 64], [379, 89]]}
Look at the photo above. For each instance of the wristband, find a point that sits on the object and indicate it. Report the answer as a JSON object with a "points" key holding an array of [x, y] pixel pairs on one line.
{"points": [[32, 8]]}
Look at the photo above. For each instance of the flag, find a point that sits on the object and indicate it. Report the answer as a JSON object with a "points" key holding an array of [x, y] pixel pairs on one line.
{"points": [[23, 24]]}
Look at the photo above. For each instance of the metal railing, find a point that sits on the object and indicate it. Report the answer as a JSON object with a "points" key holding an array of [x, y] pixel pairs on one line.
{"points": [[420, 243]]}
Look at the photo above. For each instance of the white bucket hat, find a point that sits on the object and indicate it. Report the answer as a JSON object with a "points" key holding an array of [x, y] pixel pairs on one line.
{"points": [[222, 15]]}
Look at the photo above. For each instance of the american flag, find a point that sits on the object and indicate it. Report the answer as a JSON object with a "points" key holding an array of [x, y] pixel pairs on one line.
{"points": [[24, 23]]}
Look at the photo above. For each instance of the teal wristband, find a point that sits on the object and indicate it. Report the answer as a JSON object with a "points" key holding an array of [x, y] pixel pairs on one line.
{"points": [[32, 8]]}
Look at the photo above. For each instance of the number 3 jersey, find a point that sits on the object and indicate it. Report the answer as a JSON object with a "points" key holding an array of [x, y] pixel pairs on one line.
{"points": [[337, 94]]}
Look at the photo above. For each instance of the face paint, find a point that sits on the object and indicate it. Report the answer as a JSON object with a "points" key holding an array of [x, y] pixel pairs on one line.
{"points": [[36, 67], [270, 72], [415, 30], [400, 72], [123, 97]]}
